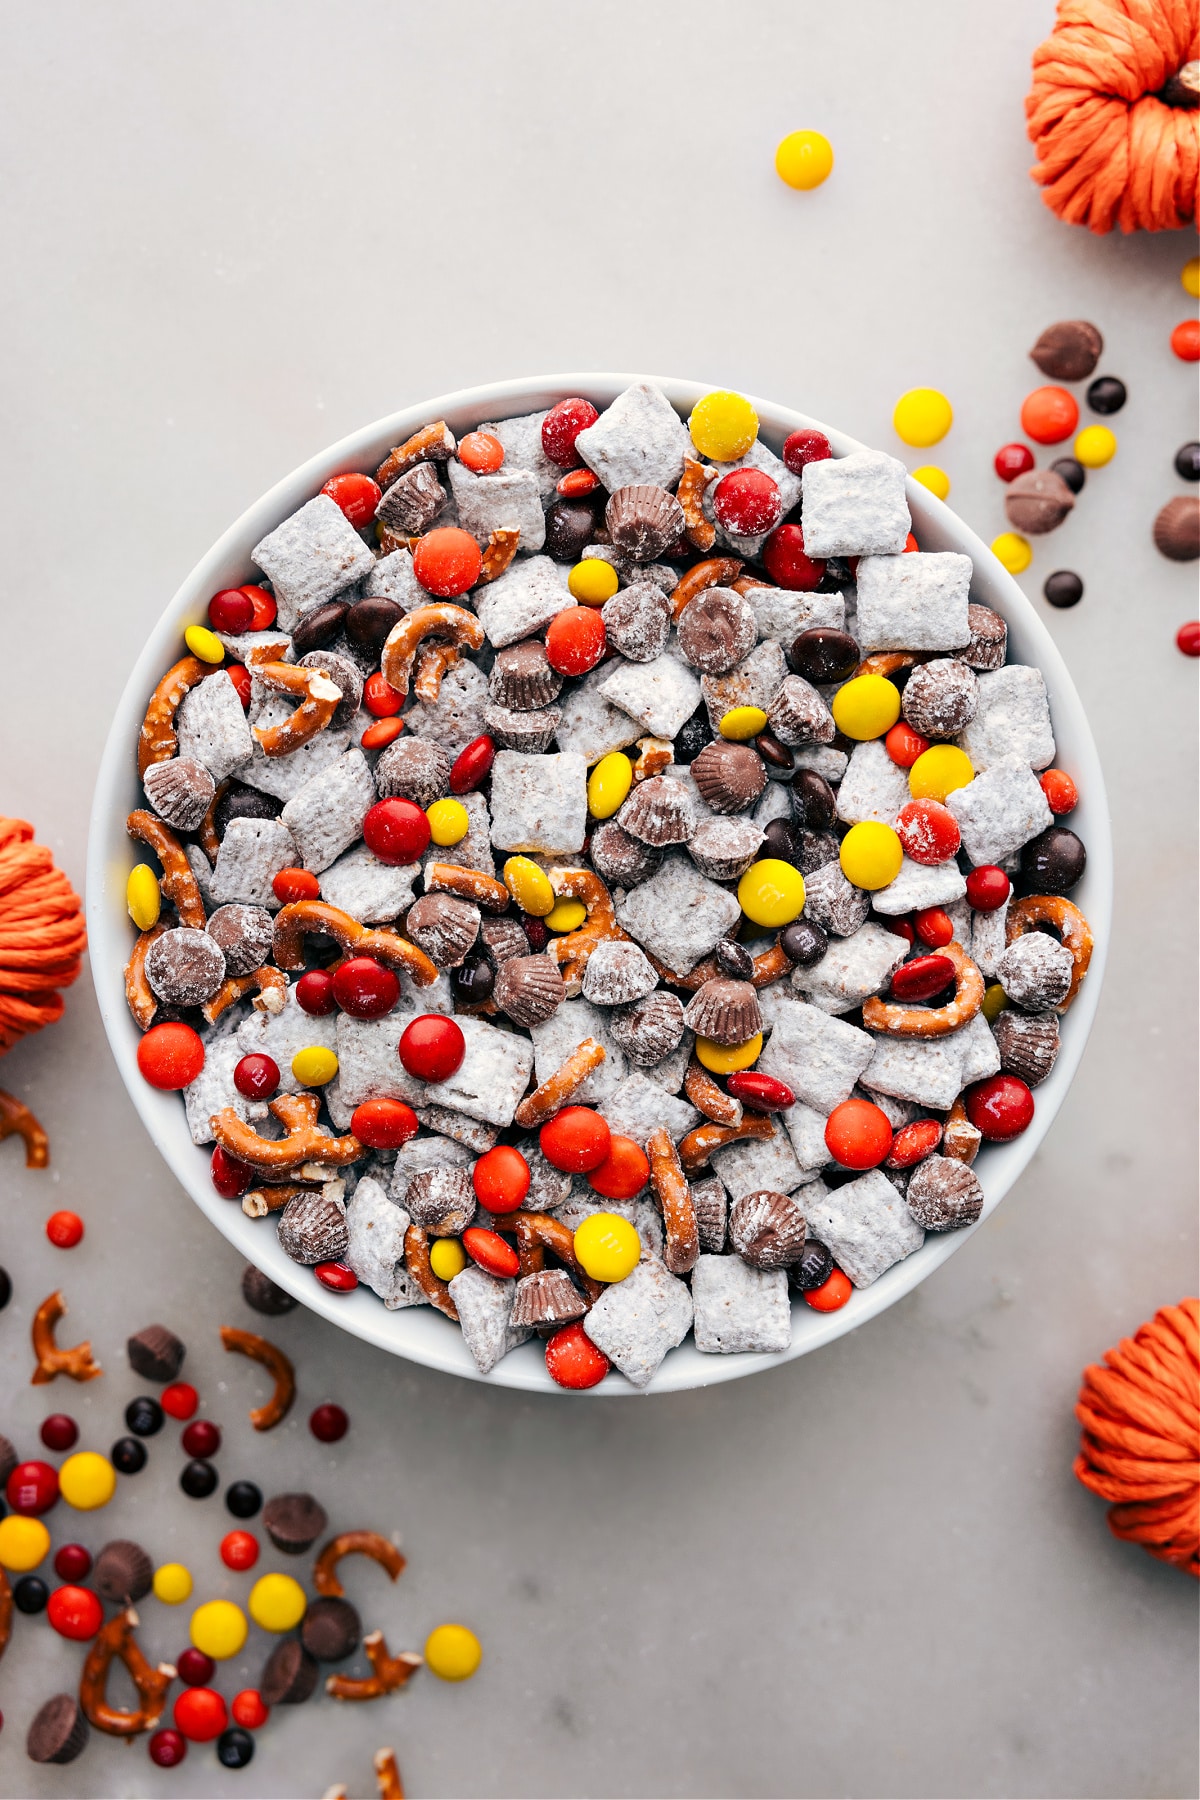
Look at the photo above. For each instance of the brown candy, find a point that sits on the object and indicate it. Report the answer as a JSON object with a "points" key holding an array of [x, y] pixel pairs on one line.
{"points": [[532, 733], [8, 1460], [184, 967], [529, 989], [445, 928], [441, 1200], [319, 626], [637, 621], [312, 1228], [180, 791], [659, 812], [734, 960], [767, 1229], [59, 1731], [710, 1203], [643, 521], [1069, 350], [522, 679], [547, 1297], [502, 940], [368, 623], [940, 697], [649, 1029], [245, 935], [344, 675], [332, 1629], [264, 1295], [814, 802], [289, 1675], [123, 1572], [943, 1194], [619, 859], [413, 769], [1177, 528], [723, 849], [798, 714], [412, 504], [155, 1354], [1037, 502], [822, 654], [989, 639], [1028, 1044], [725, 1011], [730, 777], [294, 1522], [716, 630]]}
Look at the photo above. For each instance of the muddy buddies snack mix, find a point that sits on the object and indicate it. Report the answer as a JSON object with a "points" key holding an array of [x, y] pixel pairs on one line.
{"points": [[600, 889]]}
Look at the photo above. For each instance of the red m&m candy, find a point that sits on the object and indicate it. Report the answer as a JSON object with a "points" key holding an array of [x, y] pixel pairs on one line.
{"points": [[904, 745], [575, 1140], [328, 1422], [761, 1093], [396, 830], [832, 1294], [357, 495], [382, 733], [239, 1550], [987, 888], [921, 978], [1062, 796], [384, 1124], [170, 1055], [314, 993], [239, 674], [489, 1250], [562, 425], [432, 1047], [1012, 460], [380, 698], [934, 927], [928, 831], [472, 765], [32, 1488], [788, 564], [913, 1143], [575, 640], [747, 502], [805, 446], [75, 1612], [179, 1399], [256, 1076], [339, 1277], [501, 1179], [249, 1709], [264, 607], [201, 1714], [230, 1176], [572, 1360], [481, 452], [1000, 1108], [364, 988], [231, 610]]}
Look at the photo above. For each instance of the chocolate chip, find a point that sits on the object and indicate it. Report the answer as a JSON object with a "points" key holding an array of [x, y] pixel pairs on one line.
{"points": [[814, 1268], [331, 1630], [716, 630], [1072, 472], [1177, 528], [245, 934], [813, 800], [59, 1731], [294, 1522], [1063, 588], [943, 1195], [1069, 350], [318, 628], [1106, 395], [1037, 502], [368, 622], [242, 802], [289, 1675], [804, 944], [570, 528], [122, 1572], [155, 1353], [823, 655], [1054, 861]]}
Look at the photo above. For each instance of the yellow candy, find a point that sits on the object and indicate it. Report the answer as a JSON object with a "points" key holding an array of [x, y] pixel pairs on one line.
{"points": [[1013, 550], [1190, 276], [277, 1602], [938, 771], [726, 1059], [935, 479], [529, 886], [447, 1258], [219, 1629], [723, 425], [771, 892], [172, 1583], [609, 784], [994, 1002], [1095, 446], [804, 159], [452, 1652], [593, 581], [449, 821], [204, 643], [567, 915], [143, 896], [23, 1542], [607, 1246], [314, 1065], [87, 1480], [866, 707], [871, 855], [922, 417], [742, 722]]}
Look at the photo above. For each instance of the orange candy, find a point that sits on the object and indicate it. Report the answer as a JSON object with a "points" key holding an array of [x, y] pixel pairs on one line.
{"points": [[480, 452], [447, 562], [1185, 340], [1049, 415], [624, 1171], [831, 1294], [858, 1135], [1062, 796], [904, 745]]}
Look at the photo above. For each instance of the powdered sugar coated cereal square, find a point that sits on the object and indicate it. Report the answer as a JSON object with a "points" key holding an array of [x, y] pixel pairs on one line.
{"points": [[252, 853], [873, 787], [370, 891], [1011, 719], [636, 1321], [375, 1245], [522, 440], [754, 682], [392, 578], [522, 601], [539, 803], [639, 438], [326, 816], [283, 776], [660, 695], [212, 727], [927, 1071], [485, 1306], [280, 1035], [213, 1090], [819, 1057], [637, 1107], [913, 602], [866, 1224], [678, 915], [855, 505], [508, 500], [1000, 810], [783, 615], [556, 1037], [852, 969], [919, 885], [739, 1308], [591, 725], [455, 718], [757, 1163], [311, 557]]}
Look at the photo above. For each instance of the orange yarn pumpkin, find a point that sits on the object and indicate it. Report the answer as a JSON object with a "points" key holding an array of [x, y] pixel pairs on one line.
{"points": [[1111, 114], [1140, 1412]]}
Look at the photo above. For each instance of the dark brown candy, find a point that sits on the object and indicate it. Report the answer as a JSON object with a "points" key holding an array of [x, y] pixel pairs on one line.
{"points": [[532, 733], [264, 1295], [734, 960], [716, 630], [692, 736], [529, 989], [441, 1200], [621, 860], [943, 1195], [1028, 1044], [547, 1297], [522, 679], [412, 504], [474, 981], [343, 674], [989, 639], [245, 934], [725, 1010], [1177, 528], [8, 1460], [814, 1268], [637, 621], [1037, 502], [822, 655], [940, 697], [185, 967], [155, 1353], [730, 777], [1069, 350], [767, 1229], [294, 1522], [319, 627], [413, 769], [312, 1228], [570, 528], [59, 1731], [180, 791], [289, 1675], [332, 1629], [798, 714], [660, 811], [777, 756], [368, 622], [818, 849], [643, 521], [444, 927], [649, 1029], [710, 1203], [813, 800], [503, 939], [832, 902], [122, 1572], [804, 944], [1054, 861], [724, 848], [242, 802], [783, 841], [1063, 588]]}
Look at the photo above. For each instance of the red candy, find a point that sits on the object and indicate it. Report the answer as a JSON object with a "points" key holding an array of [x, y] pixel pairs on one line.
{"points": [[573, 1360], [787, 564], [328, 1422], [170, 1055], [201, 1438], [1012, 460], [911, 544], [231, 610], [357, 495], [75, 1613], [396, 831], [624, 1171], [1000, 1108], [249, 1709], [1049, 415], [832, 1293], [167, 1748], [447, 562], [501, 1179], [201, 1714], [904, 745], [761, 1093], [381, 734], [179, 1399], [193, 1668], [290, 885], [575, 641], [747, 502], [901, 928], [576, 482], [575, 1140], [921, 978], [987, 888], [1062, 796], [314, 993], [858, 1135], [256, 1076], [472, 765], [230, 1176], [380, 698], [432, 1047], [480, 452], [64, 1229], [384, 1124], [239, 674], [1187, 638], [928, 831], [72, 1562], [489, 1250], [32, 1488], [913, 1143], [364, 988], [239, 1550], [934, 927], [562, 425], [264, 608], [805, 446], [59, 1432], [338, 1277], [1185, 340]]}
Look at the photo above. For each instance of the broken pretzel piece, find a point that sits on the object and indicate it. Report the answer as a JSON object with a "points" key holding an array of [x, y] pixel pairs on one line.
{"points": [[572, 950], [354, 1543], [674, 1196], [318, 696], [557, 1089], [116, 1640], [305, 1142], [441, 620], [416, 1261], [931, 1021], [140, 997], [77, 1362], [708, 1095], [272, 992], [537, 1233], [432, 662], [278, 1366], [468, 884], [499, 551], [387, 1775], [715, 571], [698, 1145], [16, 1120], [177, 881], [389, 1672], [158, 740], [294, 921], [655, 755], [433, 443], [700, 531], [960, 1139]]}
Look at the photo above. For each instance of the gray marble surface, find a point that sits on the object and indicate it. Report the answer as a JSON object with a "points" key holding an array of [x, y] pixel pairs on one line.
{"points": [[233, 234]]}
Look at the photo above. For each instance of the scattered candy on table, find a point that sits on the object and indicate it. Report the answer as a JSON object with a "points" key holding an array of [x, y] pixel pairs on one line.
{"points": [[922, 417]]}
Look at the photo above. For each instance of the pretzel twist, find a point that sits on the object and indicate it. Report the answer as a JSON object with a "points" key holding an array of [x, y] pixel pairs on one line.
{"points": [[116, 1640], [354, 1543], [468, 884], [693, 485], [557, 1089], [441, 620], [292, 922], [416, 1261], [278, 1367], [675, 1198], [258, 1202], [16, 1120], [538, 1232], [708, 1095], [698, 1145], [433, 443], [158, 740], [318, 697], [210, 843], [177, 881], [77, 1362], [960, 1139], [389, 1672], [931, 1022], [498, 552], [305, 1141], [715, 571], [1068, 921], [432, 662], [271, 986], [572, 950]]}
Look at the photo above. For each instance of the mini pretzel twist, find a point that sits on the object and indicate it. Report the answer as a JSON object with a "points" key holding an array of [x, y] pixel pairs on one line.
{"points": [[715, 571], [158, 740], [16, 1120], [693, 485], [498, 552], [140, 997], [938, 1021], [305, 1141], [557, 1089], [1068, 921], [116, 1640], [77, 1362], [270, 983], [416, 1261], [468, 884], [708, 1095], [292, 922], [278, 1367], [442, 620], [354, 1543], [177, 881], [960, 1139], [571, 951], [675, 1198], [390, 1672], [318, 696], [538, 1232], [432, 662], [433, 443], [698, 1145]]}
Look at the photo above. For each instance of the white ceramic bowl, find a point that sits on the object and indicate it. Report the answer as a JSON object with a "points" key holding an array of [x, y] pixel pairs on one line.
{"points": [[418, 1332]]}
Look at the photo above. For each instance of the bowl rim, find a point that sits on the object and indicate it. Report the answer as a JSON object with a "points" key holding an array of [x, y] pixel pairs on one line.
{"points": [[406, 1332]]}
